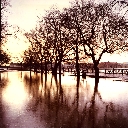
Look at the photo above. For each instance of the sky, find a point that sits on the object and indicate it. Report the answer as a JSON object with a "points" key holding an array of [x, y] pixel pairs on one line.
{"points": [[25, 13]]}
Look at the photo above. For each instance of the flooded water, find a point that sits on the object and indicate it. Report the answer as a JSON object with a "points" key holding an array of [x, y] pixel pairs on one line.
{"points": [[35, 102]]}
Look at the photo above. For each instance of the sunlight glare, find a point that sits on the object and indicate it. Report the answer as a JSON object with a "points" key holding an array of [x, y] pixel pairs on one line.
{"points": [[14, 94]]}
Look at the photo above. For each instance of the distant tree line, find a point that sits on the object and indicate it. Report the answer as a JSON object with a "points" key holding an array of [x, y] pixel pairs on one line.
{"points": [[84, 30]]}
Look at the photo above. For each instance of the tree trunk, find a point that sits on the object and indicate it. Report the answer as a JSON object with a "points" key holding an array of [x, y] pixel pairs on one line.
{"points": [[45, 66], [54, 69], [96, 75], [41, 68], [30, 68], [45, 70], [0, 76], [60, 72], [77, 63]]}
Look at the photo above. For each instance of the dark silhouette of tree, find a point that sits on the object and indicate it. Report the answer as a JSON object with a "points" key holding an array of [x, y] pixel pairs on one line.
{"points": [[4, 57], [49, 42], [29, 59], [68, 21], [58, 37], [94, 27], [100, 29], [37, 47]]}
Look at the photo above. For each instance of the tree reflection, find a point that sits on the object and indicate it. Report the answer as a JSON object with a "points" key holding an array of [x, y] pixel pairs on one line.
{"points": [[59, 107], [3, 84], [32, 84]]}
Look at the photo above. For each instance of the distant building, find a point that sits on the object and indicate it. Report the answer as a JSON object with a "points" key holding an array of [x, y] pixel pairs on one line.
{"points": [[66, 65], [125, 65], [15, 64], [110, 65]]}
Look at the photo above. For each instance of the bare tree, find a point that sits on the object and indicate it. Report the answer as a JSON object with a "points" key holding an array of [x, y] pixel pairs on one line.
{"points": [[37, 48], [58, 37], [4, 57], [100, 29]]}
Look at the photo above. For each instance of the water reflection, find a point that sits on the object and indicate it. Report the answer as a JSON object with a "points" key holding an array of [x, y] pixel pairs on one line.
{"points": [[66, 102], [3, 83], [76, 106]]}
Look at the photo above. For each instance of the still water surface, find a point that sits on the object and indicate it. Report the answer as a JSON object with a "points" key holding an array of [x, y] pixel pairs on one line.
{"points": [[67, 103]]}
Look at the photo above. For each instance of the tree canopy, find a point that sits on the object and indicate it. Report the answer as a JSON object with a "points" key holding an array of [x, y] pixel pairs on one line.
{"points": [[87, 27]]}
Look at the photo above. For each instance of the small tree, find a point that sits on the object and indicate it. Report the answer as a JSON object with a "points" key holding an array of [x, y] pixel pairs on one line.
{"points": [[37, 46], [4, 57]]}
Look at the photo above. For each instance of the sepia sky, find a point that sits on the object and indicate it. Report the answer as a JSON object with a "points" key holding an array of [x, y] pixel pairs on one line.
{"points": [[25, 13]]}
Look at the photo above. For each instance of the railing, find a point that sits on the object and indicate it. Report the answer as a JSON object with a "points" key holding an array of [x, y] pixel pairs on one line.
{"points": [[115, 70]]}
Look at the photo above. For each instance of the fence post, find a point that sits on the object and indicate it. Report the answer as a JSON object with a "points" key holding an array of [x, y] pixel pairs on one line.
{"points": [[105, 71], [113, 70], [122, 71]]}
